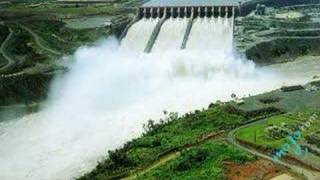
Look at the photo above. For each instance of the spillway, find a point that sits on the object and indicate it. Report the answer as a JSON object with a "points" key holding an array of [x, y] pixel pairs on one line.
{"points": [[172, 28], [138, 34], [171, 34], [213, 33], [206, 32]]}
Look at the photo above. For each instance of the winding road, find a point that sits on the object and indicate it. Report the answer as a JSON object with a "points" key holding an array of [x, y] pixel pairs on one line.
{"points": [[156, 164], [10, 61], [38, 41], [308, 174]]}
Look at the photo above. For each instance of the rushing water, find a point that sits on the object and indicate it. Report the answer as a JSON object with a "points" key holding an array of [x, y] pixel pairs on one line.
{"points": [[138, 34], [212, 34], [171, 34], [111, 91]]}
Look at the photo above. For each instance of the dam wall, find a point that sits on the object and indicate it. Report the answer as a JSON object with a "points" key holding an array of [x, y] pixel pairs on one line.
{"points": [[170, 24]]}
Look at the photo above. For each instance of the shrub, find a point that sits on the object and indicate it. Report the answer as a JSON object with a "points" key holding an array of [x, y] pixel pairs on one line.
{"points": [[313, 139], [191, 158], [291, 88], [269, 100], [315, 83], [120, 158]]}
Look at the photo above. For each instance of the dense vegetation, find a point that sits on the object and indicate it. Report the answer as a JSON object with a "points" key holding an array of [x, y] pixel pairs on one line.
{"points": [[315, 83], [314, 138], [171, 134], [25, 89], [269, 100], [4, 32], [3, 62], [291, 88]]}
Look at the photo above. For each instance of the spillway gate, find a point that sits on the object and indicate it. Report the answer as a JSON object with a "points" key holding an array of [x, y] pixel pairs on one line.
{"points": [[190, 9]]}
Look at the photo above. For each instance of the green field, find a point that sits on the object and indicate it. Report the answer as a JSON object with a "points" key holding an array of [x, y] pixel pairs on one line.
{"points": [[257, 134], [62, 11]]}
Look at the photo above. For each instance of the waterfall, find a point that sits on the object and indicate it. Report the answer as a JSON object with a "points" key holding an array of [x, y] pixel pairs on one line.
{"points": [[139, 34], [171, 34], [211, 33]]}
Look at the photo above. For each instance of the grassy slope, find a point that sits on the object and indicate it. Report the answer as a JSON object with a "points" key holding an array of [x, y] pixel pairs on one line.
{"points": [[178, 132], [173, 133], [62, 11], [205, 161], [60, 38]]}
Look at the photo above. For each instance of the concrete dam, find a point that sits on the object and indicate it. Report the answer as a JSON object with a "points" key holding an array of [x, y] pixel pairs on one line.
{"points": [[171, 25]]}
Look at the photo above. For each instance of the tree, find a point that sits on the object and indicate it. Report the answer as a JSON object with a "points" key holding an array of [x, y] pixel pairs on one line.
{"points": [[233, 96]]}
